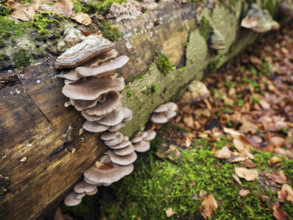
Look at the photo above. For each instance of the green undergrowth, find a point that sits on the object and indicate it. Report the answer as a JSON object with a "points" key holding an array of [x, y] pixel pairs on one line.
{"points": [[163, 64], [159, 184], [205, 28], [112, 33]]}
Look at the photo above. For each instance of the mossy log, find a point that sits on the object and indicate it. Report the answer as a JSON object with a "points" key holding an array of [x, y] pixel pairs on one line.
{"points": [[43, 153]]}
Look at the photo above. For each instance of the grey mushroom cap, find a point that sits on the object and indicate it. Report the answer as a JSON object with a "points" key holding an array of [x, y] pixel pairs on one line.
{"points": [[121, 160], [95, 127], [80, 195], [127, 114], [80, 105], [159, 118], [151, 134], [106, 136], [83, 187], [91, 117], [113, 118], [165, 107], [116, 127], [103, 107], [117, 140], [92, 88], [71, 200], [170, 114], [125, 151], [107, 176], [139, 137], [92, 192], [114, 64], [125, 142], [142, 146]]}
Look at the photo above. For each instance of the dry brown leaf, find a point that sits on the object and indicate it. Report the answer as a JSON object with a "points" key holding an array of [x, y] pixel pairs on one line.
{"points": [[274, 160], [242, 144], [247, 127], [247, 174], [232, 132], [277, 141], [170, 212], [82, 18], [244, 192], [188, 121], [237, 157], [64, 8], [286, 193], [278, 177], [187, 142], [279, 213], [24, 12], [209, 204], [202, 194], [224, 153], [236, 178]]}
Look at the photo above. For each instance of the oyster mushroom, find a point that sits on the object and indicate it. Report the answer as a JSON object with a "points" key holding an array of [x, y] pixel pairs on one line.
{"points": [[121, 160], [164, 112]]}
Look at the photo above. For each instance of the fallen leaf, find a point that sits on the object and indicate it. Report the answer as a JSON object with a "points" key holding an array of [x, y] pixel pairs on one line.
{"points": [[277, 141], [236, 178], [242, 144], [170, 212], [248, 164], [279, 213], [247, 127], [82, 18], [64, 8], [209, 204], [244, 192], [232, 132], [286, 193], [247, 174], [202, 194], [236, 157], [274, 160], [24, 12], [188, 121], [224, 153], [278, 177]]}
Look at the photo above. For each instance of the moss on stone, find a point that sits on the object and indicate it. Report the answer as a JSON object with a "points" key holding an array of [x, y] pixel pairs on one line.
{"points": [[163, 63], [205, 29], [105, 5], [4, 10], [9, 29], [21, 58]]}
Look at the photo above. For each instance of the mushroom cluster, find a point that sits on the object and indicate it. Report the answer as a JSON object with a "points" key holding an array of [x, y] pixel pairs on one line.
{"points": [[141, 141], [92, 87], [259, 20], [164, 112]]}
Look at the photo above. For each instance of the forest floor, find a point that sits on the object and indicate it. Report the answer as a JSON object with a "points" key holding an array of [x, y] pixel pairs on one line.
{"points": [[228, 156]]}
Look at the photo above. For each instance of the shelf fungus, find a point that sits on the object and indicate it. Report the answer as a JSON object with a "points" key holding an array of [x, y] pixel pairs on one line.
{"points": [[259, 20], [92, 46], [164, 112], [217, 40]]}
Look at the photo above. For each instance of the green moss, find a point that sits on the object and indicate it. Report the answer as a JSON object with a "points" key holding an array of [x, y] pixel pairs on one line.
{"points": [[9, 29], [107, 31], [129, 94], [205, 29], [21, 58], [270, 6], [138, 77], [41, 22], [106, 4], [154, 88], [163, 64], [4, 10]]}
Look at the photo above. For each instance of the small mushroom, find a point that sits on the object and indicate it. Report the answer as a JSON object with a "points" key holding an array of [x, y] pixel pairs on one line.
{"points": [[124, 143], [159, 118], [125, 151], [217, 40], [113, 118], [72, 199], [94, 126], [116, 127], [121, 160], [127, 115], [112, 65], [151, 134], [91, 193], [83, 187], [91, 117], [92, 46], [139, 137], [142, 146], [109, 135], [92, 88], [164, 112], [117, 140]]}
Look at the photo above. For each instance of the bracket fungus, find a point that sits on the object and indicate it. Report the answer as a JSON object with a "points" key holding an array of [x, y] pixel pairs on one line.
{"points": [[141, 141], [164, 112], [259, 20], [217, 40]]}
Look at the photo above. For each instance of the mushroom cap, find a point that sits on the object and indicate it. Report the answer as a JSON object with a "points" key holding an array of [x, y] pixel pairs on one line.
{"points": [[71, 200], [139, 137], [121, 160], [80, 105], [114, 64], [92, 46], [80, 195], [106, 136], [91, 117], [170, 114], [113, 118], [165, 107], [217, 40], [92, 88], [151, 134], [92, 192], [116, 127], [94, 126], [127, 114], [125, 151], [142, 146], [121, 145], [83, 187], [112, 101], [249, 22], [159, 118], [107, 176], [117, 140]]}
